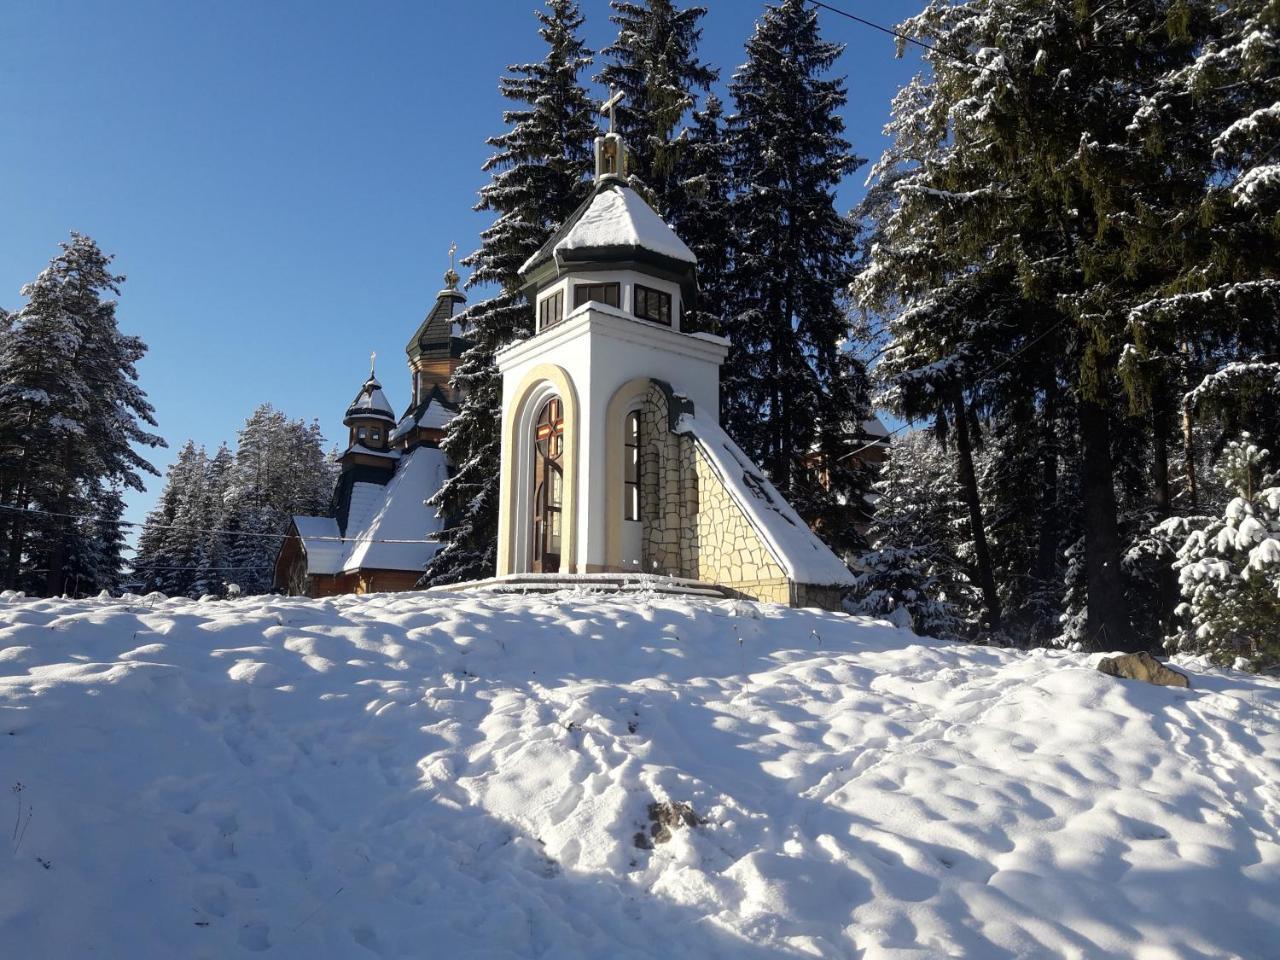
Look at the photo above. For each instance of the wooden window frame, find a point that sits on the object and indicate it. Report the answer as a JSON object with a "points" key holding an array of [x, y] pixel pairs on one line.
{"points": [[582, 295], [550, 310], [640, 304]]}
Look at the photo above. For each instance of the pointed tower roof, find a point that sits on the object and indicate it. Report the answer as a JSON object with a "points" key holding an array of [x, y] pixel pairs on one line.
{"points": [[617, 227], [370, 402], [438, 334], [613, 228]]}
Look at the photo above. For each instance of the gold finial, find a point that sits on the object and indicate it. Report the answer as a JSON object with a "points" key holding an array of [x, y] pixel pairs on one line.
{"points": [[451, 275], [609, 107]]}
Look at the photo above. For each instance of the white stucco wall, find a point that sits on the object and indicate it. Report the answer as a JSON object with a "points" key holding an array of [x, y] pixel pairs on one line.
{"points": [[601, 349]]}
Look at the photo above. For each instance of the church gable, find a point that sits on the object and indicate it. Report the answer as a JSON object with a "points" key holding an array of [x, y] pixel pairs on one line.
{"points": [[710, 515]]}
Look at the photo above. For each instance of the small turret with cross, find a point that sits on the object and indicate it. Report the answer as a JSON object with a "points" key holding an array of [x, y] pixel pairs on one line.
{"points": [[611, 151]]}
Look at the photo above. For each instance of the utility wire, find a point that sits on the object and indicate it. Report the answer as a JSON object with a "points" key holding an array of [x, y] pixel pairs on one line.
{"points": [[905, 37], [179, 526]]}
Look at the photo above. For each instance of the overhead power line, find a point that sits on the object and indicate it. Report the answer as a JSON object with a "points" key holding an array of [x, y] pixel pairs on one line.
{"points": [[905, 37], [192, 529]]}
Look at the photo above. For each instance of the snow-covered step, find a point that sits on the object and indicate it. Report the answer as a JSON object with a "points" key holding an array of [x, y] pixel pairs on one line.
{"points": [[602, 582]]}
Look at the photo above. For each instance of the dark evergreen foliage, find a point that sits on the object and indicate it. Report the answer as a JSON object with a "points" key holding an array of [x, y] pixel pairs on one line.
{"points": [[703, 219], [1076, 224], [219, 520], [539, 176], [793, 397], [654, 64], [71, 419]]}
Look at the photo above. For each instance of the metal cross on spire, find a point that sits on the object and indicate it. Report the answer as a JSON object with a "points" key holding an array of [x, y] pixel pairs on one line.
{"points": [[609, 107], [451, 275]]}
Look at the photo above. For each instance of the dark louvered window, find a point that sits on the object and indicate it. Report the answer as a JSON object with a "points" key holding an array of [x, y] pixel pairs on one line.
{"points": [[606, 293], [551, 310], [653, 305]]}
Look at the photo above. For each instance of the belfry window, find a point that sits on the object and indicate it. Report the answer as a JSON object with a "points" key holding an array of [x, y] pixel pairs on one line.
{"points": [[606, 293], [652, 305], [551, 310], [631, 466]]}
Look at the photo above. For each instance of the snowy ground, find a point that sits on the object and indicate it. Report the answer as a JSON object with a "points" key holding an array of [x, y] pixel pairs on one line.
{"points": [[460, 776]]}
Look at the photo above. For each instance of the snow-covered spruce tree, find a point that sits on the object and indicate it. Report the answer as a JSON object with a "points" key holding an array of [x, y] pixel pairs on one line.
{"points": [[219, 520], [71, 417], [213, 576], [539, 176], [654, 64], [171, 545], [703, 218], [913, 567], [280, 469], [1229, 569], [1011, 165], [1213, 126], [790, 266], [1027, 502]]}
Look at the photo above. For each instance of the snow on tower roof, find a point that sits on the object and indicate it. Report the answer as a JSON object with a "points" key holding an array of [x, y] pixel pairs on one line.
{"points": [[615, 221], [370, 402], [618, 218]]}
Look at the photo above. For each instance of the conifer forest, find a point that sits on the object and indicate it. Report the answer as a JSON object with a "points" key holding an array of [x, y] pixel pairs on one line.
{"points": [[1059, 292]]}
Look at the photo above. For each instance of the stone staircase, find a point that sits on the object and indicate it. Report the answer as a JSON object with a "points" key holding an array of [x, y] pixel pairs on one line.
{"points": [[591, 583]]}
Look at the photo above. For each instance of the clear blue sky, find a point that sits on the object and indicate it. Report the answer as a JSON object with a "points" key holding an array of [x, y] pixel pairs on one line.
{"points": [[281, 181]]}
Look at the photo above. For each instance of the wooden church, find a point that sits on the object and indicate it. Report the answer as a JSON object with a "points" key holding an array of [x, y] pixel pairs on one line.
{"points": [[613, 466], [380, 534]]}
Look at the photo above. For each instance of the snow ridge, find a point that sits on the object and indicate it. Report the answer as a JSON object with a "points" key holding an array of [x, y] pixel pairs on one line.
{"points": [[371, 775]]}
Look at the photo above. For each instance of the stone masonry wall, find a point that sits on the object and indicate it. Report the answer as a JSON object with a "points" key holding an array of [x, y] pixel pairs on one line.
{"points": [[692, 526], [668, 493], [730, 551]]}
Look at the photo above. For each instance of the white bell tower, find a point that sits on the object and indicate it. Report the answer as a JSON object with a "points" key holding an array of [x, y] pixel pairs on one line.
{"points": [[609, 290]]}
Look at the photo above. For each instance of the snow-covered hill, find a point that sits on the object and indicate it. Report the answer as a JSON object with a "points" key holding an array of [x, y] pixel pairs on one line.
{"points": [[465, 776]]}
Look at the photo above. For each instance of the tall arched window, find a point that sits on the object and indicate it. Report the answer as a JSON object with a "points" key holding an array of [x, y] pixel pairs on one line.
{"points": [[631, 467], [548, 487]]}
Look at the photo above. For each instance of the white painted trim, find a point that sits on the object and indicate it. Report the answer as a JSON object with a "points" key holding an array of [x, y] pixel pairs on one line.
{"points": [[621, 326]]}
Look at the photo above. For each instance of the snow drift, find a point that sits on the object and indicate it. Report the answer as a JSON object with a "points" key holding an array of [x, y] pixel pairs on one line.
{"points": [[465, 776]]}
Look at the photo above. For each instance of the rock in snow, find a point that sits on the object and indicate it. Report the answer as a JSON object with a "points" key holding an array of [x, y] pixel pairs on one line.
{"points": [[1145, 667], [464, 776]]}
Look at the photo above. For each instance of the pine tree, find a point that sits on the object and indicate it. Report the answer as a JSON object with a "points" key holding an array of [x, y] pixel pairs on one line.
{"points": [[913, 567], [220, 520], [654, 64], [1209, 220], [538, 178], [213, 576], [1013, 176], [1229, 568], [280, 470], [170, 545], [71, 415], [703, 218], [790, 265]]}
